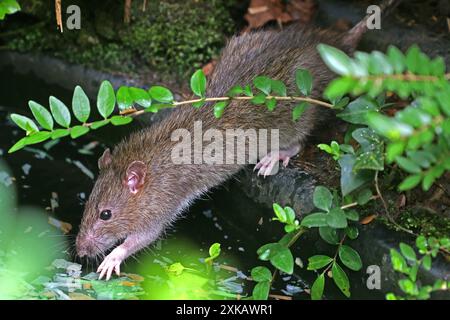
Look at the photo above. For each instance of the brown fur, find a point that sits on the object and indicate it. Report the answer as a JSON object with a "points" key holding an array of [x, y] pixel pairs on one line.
{"points": [[168, 188]]}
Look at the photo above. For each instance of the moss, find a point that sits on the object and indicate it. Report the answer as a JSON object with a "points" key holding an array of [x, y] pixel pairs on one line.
{"points": [[178, 36], [422, 221], [170, 36]]}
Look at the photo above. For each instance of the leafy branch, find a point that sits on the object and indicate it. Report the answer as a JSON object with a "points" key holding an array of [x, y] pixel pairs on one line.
{"points": [[128, 99]]}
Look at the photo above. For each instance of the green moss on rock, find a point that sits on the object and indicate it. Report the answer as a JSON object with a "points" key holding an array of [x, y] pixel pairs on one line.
{"points": [[180, 36], [422, 221], [169, 36]]}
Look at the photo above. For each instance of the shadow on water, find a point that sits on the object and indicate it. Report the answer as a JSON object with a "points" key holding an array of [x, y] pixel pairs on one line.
{"points": [[68, 169]]}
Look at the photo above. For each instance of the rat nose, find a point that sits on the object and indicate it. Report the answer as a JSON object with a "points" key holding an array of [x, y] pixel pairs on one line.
{"points": [[84, 248]]}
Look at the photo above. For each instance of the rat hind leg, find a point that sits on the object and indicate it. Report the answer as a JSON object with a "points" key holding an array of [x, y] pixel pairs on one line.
{"points": [[268, 165]]}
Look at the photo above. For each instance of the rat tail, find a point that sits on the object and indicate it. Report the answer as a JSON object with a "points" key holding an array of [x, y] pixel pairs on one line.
{"points": [[354, 35]]}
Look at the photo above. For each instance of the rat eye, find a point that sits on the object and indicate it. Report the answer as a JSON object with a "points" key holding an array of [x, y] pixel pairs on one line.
{"points": [[105, 215]]}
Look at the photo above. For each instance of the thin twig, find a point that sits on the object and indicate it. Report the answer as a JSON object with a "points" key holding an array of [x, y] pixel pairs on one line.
{"points": [[388, 215]]}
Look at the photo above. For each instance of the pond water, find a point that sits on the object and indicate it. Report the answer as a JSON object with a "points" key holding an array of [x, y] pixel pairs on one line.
{"points": [[66, 169]]}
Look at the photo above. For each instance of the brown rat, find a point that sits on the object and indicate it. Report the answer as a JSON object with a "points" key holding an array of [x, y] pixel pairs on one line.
{"points": [[140, 191]]}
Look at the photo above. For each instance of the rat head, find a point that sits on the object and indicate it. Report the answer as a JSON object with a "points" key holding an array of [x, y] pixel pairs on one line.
{"points": [[109, 213]]}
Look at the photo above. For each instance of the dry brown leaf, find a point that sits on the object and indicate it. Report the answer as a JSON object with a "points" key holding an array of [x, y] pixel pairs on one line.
{"points": [[87, 286], [79, 296], [302, 10], [261, 12], [127, 111], [65, 227], [133, 276], [209, 67], [128, 284], [368, 219]]}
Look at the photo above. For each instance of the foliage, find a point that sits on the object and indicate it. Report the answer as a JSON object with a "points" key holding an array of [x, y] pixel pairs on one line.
{"points": [[415, 139], [408, 263], [334, 224], [8, 7]]}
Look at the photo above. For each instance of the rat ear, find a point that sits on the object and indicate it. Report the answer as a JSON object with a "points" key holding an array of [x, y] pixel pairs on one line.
{"points": [[105, 159], [135, 176]]}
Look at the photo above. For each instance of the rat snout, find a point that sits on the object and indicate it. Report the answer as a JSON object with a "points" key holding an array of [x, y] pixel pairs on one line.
{"points": [[86, 245]]}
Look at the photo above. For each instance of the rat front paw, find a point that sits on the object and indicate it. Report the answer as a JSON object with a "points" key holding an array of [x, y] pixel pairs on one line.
{"points": [[112, 263]]}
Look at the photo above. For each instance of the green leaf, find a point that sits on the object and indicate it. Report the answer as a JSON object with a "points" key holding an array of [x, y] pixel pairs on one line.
{"points": [[352, 215], [304, 80], [279, 212], [42, 115], [322, 198], [260, 98], [283, 260], [235, 91], [396, 58], [140, 96], [318, 262], [340, 279], [271, 104], [59, 133], [161, 94], [357, 110], [408, 251], [98, 124], [60, 112], [350, 258], [80, 105], [408, 286], [214, 250], [364, 196], [263, 83], [315, 220], [124, 98], [336, 218], [199, 104], [388, 127], [106, 99], [421, 243], [261, 290], [18, 145], [198, 83], [412, 58], [329, 235], [351, 180], [176, 268], [410, 182], [267, 250], [339, 87], [299, 109], [413, 272], [8, 7], [393, 150], [290, 214], [426, 262], [78, 131], [38, 137], [317, 287], [261, 274], [219, 108], [408, 165], [24, 123], [248, 91], [279, 88], [398, 262], [121, 120], [335, 59], [352, 232]]}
